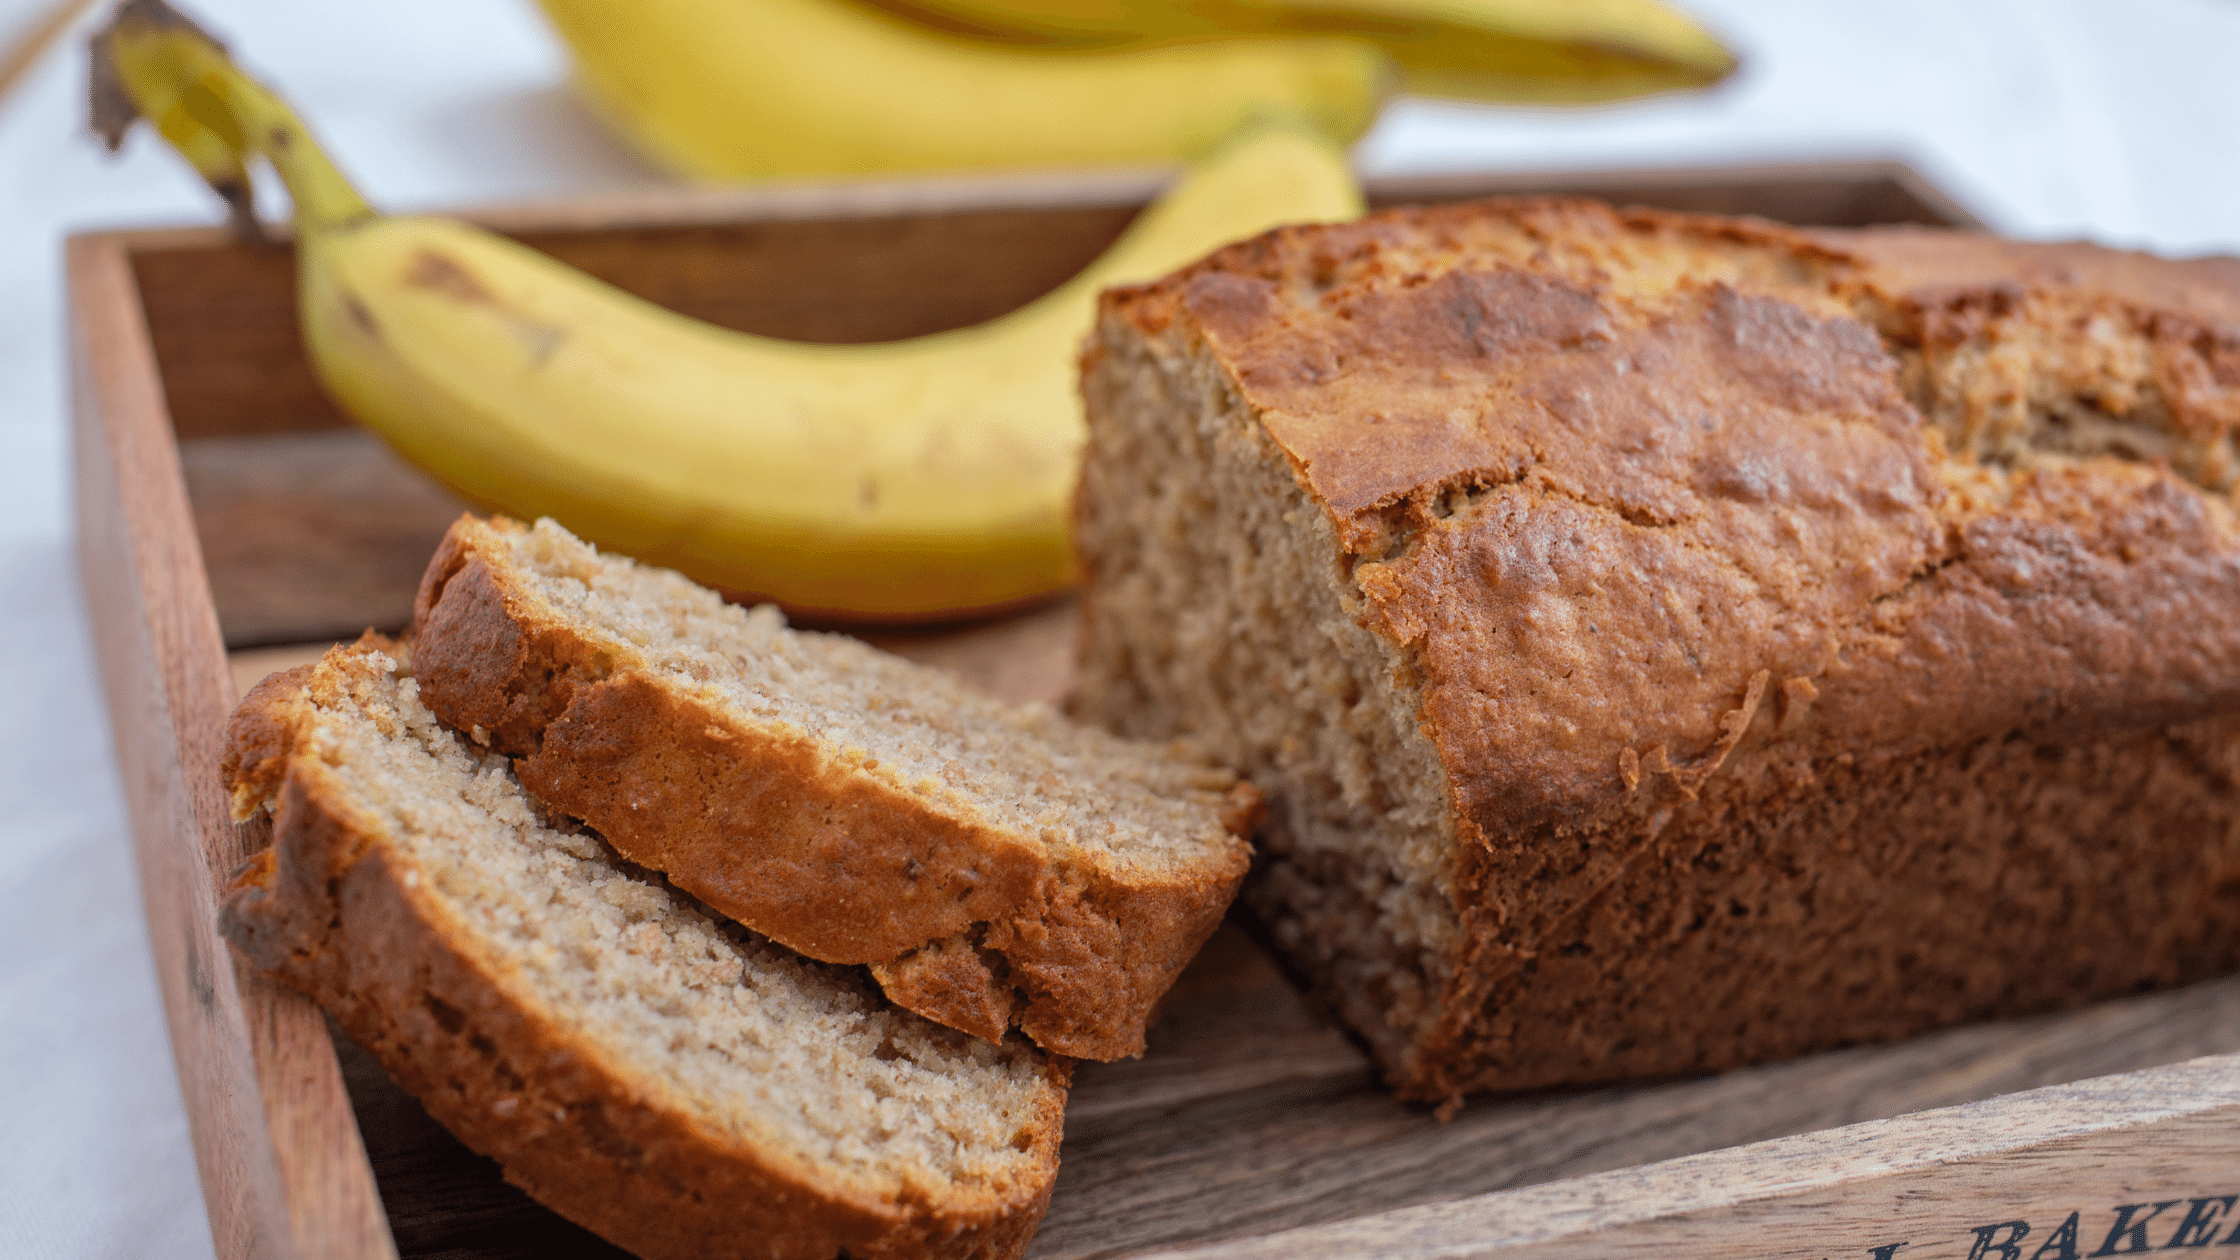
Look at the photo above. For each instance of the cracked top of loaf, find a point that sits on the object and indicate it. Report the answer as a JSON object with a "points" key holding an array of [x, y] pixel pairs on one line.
{"points": [[1645, 495]]}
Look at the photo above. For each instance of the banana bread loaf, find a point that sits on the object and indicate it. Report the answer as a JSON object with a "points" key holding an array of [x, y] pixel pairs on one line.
{"points": [[1670, 642], [681, 1087], [997, 866]]}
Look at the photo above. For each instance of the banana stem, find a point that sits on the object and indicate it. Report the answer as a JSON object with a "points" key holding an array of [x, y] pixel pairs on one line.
{"points": [[153, 63]]}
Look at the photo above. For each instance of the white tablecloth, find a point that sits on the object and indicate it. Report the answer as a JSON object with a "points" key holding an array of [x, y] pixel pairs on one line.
{"points": [[2119, 121]]}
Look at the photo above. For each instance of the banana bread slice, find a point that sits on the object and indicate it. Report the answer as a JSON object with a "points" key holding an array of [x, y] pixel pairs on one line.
{"points": [[1669, 642], [996, 866], [682, 1088]]}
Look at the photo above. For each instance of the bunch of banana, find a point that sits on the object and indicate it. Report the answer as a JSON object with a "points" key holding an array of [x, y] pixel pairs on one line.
{"points": [[1555, 52], [904, 480], [735, 89], [741, 89]]}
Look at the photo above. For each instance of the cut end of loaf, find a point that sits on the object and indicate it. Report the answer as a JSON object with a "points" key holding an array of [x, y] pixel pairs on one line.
{"points": [[1237, 627], [679, 1085]]}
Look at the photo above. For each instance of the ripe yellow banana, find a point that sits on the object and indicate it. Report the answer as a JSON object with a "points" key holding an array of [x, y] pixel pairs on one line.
{"points": [[741, 89], [1531, 51], [904, 480]]}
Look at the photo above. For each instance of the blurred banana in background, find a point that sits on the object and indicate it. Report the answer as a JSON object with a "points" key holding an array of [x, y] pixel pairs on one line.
{"points": [[742, 89], [747, 89], [1554, 52], [912, 479]]}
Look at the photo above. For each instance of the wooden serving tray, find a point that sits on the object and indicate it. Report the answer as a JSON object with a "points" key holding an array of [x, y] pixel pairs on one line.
{"points": [[225, 506]]}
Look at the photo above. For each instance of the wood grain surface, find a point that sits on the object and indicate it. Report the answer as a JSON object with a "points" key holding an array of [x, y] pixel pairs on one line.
{"points": [[1244, 1164], [311, 535], [275, 1138], [224, 503], [2114, 1166]]}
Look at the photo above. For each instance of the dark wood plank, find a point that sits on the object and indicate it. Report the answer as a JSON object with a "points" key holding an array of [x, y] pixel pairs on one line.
{"points": [[2119, 1165], [1826, 194], [1324, 1145], [311, 535]]}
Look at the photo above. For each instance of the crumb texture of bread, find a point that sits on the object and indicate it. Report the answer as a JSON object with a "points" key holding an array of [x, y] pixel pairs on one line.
{"points": [[1670, 642], [1252, 606], [679, 1086], [996, 866]]}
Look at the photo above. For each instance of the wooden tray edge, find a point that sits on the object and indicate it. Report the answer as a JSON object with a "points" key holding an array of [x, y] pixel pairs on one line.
{"points": [[1922, 1180], [282, 1164], [276, 1143], [1611, 181], [680, 207]]}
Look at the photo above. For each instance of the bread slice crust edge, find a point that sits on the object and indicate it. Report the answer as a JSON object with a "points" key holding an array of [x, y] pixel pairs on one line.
{"points": [[960, 921], [331, 909]]}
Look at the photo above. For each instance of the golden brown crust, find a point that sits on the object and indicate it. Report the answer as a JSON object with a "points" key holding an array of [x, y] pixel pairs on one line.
{"points": [[258, 738], [331, 909], [1799, 905], [1648, 504], [1918, 262], [962, 922]]}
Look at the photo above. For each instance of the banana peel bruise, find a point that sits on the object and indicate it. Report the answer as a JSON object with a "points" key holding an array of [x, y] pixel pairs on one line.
{"points": [[910, 480]]}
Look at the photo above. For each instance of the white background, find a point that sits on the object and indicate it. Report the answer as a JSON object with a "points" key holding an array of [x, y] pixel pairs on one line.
{"points": [[2115, 119]]}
